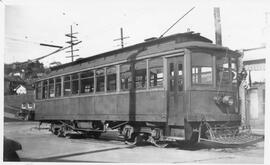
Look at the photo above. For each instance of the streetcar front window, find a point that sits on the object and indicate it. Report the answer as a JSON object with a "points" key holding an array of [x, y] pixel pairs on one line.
{"points": [[234, 71], [222, 70], [202, 69]]}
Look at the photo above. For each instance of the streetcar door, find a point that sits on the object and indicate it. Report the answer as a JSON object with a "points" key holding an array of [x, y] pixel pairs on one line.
{"points": [[175, 90]]}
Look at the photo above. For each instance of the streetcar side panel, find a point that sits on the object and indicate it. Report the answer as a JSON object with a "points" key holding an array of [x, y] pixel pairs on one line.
{"points": [[145, 106]]}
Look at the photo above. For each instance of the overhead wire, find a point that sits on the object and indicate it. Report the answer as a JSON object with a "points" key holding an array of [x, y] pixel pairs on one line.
{"points": [[22, 40]]}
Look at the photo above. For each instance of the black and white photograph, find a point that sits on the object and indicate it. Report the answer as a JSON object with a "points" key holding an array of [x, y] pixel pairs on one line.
{"points": [[134, 81]]}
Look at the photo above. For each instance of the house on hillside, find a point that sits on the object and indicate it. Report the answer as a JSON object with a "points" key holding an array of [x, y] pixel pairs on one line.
{"points": [[20, 89], [10, 83]]}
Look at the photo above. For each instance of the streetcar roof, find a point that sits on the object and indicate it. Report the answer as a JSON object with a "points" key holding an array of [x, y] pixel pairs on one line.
{"points": [[183, 37], [187, 40]]}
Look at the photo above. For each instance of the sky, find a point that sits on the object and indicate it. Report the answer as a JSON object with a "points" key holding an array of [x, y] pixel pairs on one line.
{"points": [[30, 22]]}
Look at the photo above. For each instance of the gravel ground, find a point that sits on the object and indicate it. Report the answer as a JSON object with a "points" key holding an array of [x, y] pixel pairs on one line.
{"points": [[42, 146]]}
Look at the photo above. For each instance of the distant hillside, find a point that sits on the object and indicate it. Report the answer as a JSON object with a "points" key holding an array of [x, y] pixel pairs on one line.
{"points": [[16, 100], [12, 104], [26, 70]]}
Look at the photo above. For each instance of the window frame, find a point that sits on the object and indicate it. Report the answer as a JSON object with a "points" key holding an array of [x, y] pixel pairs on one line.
{"points": [[89, 77], [144, 78], [149, 71], [96, 80], [107, 78], [128, 83], [229, 72], [212, 70], [56, 86], [64, 85], [73, 80], [45, 89], [38, 90], [51, 88]]}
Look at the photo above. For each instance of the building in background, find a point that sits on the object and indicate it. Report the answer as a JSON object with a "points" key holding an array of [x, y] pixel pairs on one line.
{"points": [[20, 89], [254, 61]]}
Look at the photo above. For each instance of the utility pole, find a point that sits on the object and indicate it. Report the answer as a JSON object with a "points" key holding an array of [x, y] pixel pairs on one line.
{"points": [[72, 42], [121, 38], [217, 26]]}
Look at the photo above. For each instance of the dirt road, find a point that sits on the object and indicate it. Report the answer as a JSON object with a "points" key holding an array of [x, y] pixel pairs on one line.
{"points": [[42, 146]]}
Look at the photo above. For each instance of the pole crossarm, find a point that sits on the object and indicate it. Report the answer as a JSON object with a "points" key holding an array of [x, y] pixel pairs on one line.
{"points": [[122, 38], [72, 43]]}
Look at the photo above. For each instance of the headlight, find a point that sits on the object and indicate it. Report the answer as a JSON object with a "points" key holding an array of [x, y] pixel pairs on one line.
{"points": [[227, 100]]}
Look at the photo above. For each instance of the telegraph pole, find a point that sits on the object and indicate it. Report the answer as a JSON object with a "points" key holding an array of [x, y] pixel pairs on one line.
{"points": [[121, 38], [72, 42]]}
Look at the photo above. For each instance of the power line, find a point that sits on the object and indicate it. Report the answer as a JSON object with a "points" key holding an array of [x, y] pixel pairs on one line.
{"points": [[21, 40], [33, 42], [56, 51]]}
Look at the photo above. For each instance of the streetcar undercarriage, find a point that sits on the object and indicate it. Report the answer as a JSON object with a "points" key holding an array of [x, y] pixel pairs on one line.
{"points": [[214, 134]]}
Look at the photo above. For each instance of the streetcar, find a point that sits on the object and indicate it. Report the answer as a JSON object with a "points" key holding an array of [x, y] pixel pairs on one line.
{"points": [[178, 87]]}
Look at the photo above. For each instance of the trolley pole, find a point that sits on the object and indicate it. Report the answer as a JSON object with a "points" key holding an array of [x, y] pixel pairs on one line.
{"points": [[72, 41], [121, 38]]}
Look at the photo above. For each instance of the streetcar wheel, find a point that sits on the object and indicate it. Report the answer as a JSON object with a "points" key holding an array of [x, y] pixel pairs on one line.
{"points": [[65, 132], [60, 132], [135, 140], [54, 130]]}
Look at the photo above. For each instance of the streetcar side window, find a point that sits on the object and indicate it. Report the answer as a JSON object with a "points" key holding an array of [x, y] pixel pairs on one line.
{"points": [[125, 76], [38, 90], [156, 72], [140, 75], [87, 81], [75, 83], [45, 89], [111, 79], [51, 88], [67, 87], [100, 80], [202, 68], [58, 86]]}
